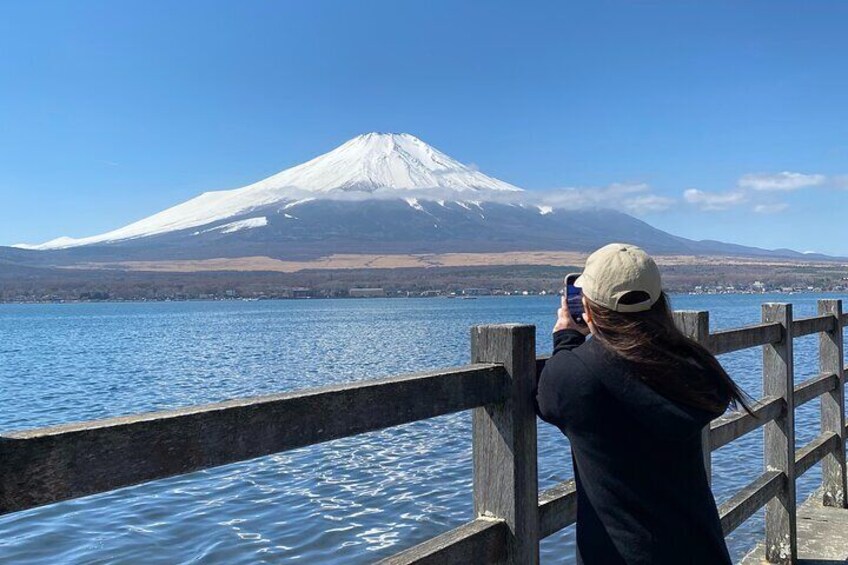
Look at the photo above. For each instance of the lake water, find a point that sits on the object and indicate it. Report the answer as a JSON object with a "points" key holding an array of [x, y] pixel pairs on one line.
{"points": [[348, 501]]}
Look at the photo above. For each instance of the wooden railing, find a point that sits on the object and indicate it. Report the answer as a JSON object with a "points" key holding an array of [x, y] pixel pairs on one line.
{"points": [[47, 465], [775, 411]]}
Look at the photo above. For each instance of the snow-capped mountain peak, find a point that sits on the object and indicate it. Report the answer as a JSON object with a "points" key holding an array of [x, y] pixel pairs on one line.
{"points": [[375, 161], [369, 164]]}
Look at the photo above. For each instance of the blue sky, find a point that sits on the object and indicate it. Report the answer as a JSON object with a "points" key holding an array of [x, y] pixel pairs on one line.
{"points": [[718, 120]]}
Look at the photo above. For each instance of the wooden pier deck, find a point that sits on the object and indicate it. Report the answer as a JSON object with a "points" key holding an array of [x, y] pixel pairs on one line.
{"points": [[822, 536]]}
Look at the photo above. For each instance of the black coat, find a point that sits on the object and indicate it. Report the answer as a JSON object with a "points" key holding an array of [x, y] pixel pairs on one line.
{"points": [[642, 490]]}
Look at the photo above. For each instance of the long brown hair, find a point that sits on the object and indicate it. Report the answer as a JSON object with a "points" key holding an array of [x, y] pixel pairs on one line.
{"points": [[652, 342]]}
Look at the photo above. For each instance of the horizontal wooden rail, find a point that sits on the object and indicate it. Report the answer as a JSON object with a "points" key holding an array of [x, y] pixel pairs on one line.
{"points": [[814, 387], [557, 508], [728, 341], [725, 429], [50, 464], [815, 324], [814, 451], [748, 500], [480, 541]]}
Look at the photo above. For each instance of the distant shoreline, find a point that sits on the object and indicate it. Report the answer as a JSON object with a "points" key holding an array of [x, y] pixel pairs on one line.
{"points": [[396, 297], [708, 275]]}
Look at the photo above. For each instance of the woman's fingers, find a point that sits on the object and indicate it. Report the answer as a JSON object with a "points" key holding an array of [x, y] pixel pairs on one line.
{"points": [[565, 321]]}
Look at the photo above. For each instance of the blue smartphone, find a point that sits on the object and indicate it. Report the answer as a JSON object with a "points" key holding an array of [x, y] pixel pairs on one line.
{"points": [[574, 299]]}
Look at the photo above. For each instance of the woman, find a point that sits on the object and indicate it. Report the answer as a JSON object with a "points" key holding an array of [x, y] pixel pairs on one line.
{"points": [[633, 400]]}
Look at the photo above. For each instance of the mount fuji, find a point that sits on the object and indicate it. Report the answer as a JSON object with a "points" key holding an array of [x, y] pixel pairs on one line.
{"points": [[378, 193]]}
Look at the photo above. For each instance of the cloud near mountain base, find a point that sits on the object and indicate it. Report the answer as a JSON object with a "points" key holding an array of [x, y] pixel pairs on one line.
{"points": [[636, 199]]}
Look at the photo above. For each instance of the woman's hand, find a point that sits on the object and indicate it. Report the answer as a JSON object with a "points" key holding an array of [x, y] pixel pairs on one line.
{"points": [[566, 322]]}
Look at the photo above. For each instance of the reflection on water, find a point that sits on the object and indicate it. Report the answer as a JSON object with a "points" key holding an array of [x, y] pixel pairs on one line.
{"points": [[352, 500]]}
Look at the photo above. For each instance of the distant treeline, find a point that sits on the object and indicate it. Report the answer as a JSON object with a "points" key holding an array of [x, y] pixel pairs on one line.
{"points": [[30, 284]]}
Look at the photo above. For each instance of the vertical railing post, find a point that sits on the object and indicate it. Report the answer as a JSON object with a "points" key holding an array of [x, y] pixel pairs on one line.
{"points": [[504, 440], [779, 438], [696, 326], [833, 407]]}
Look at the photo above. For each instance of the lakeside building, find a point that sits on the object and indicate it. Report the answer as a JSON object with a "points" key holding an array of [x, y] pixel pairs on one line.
{"points": [[476, 292], [366, 293], [297, 292]]}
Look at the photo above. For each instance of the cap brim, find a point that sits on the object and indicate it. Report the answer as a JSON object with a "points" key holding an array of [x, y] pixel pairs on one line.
{"points": [[578, 282]]}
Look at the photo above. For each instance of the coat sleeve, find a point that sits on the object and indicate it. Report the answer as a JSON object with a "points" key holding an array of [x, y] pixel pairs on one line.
{"points": [[555, 389]]}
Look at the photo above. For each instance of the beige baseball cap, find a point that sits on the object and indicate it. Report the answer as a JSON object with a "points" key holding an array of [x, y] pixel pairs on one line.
{"points": [[617, 269]]}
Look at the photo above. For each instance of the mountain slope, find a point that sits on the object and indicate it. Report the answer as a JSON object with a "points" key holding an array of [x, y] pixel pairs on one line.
{"points": [[319, 228], [377, 193], [375, 164]]}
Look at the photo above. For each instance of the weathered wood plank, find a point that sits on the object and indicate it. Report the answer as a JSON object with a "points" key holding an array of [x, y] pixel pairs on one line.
{"points": [[834, 487], [696, 326], [727, 428], [728, 341], [779, 437], [815, 387], [814, 451], [557, 508], [749, 499], [480, 541], [814, 324], [504, 440], [50, 464]]}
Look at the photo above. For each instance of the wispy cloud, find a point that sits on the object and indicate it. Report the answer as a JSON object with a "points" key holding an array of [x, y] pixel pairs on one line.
{"points": [[634, 198], [752, 189], [772, 208], [647, 203], [714, 201], [839, 181], [784, 181]]}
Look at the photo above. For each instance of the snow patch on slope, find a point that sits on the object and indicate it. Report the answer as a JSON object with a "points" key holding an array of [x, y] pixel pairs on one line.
{"points": [[413, 203], [296, 203], [239, 225], [476, 203]]}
